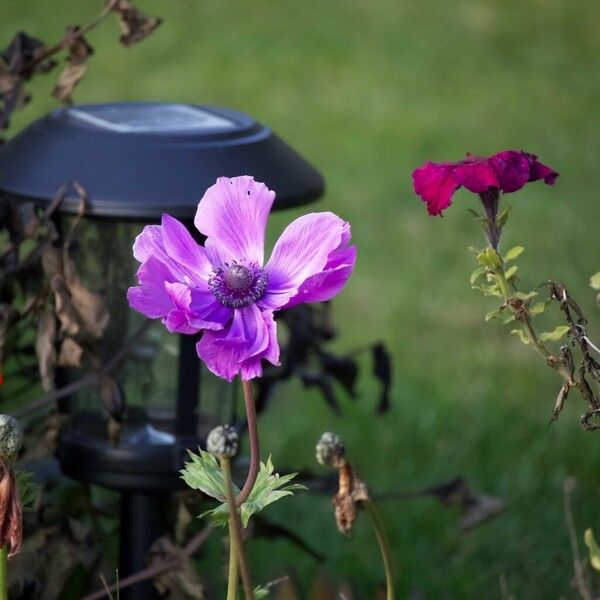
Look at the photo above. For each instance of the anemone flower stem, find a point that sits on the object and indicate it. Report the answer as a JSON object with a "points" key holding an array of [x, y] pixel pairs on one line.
{"points": [[4, 573], [384, 546], [254, 444], [236, 538], [233, 576]]}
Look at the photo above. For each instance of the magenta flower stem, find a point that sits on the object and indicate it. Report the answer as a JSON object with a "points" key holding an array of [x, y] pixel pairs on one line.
{"points": [[253, 441]]}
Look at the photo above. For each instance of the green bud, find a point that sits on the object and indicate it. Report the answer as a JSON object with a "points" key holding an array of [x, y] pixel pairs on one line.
{"points": [[223, 441], [11, 437], [331, 451]]}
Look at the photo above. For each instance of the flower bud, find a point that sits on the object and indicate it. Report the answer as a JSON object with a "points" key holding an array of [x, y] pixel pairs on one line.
{"points": [[223, 441], [11, 437], [331, 451]]}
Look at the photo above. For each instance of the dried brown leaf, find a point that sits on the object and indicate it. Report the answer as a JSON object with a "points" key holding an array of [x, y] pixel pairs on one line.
{"points": [[45, 345], [182, 583], [90, 306], [111, 396], [79, 52], [135, 25], [70, 353], [63, 306], [51, 262]]}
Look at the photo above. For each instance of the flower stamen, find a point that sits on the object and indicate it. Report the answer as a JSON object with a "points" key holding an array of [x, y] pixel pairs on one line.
{"points": [[236, 285]]}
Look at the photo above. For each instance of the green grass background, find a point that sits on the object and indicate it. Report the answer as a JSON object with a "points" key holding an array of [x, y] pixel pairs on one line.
{"points": [[368, 90]]}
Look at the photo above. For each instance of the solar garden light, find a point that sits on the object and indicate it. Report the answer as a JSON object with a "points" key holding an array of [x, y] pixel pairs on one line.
{"points": [[136, 161]]}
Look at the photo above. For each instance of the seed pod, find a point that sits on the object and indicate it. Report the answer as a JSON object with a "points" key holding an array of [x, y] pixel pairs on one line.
{"points": [[223, 441]]}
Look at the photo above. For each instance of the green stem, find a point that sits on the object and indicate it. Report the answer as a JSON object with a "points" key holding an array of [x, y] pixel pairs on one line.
{"points": [[4, 573], [232, 581], [384, 546], [235, 532]]}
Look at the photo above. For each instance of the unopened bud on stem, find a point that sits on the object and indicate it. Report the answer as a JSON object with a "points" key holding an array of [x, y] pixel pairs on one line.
{"points": [[11, 438], [223, 441], [331, 450]]}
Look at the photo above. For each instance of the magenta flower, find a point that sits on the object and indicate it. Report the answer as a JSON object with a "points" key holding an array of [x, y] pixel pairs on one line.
{"points": [[223, 288], [506, 171]]}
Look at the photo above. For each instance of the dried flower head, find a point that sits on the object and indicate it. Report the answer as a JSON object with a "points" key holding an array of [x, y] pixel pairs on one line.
{"points": [[224, 288], [331, 451], [11, 438], [223, 441]]}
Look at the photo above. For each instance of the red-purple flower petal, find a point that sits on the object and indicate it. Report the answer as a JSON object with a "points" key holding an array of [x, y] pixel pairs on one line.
{"points": [[240, 347], [435, 183], [233, 216], [513, 170], [476, 174], [302, 252], [540, 171]]}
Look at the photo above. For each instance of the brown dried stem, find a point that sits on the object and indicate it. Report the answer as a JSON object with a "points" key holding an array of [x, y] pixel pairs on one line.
{"points": [[157, 569]]}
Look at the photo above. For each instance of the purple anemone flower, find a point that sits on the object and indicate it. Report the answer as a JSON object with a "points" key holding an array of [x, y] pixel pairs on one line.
{"points": [[224, 288], [506, 171]]}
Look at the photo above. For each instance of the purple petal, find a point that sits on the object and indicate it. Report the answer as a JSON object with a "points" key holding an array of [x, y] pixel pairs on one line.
{"points": [[173, 245], [436, 185], [150, 297], [181, 247], [233, 216], [303, 251], [193, 310], [476, 174], [239, 348], [540, 171], [327, 284]]}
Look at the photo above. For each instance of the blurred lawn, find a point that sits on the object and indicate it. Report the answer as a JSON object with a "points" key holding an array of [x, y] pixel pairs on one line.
{"points": [[368, 91]]}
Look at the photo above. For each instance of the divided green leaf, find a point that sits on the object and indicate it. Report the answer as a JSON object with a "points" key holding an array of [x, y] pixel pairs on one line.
{"points": [[476, 274], [537, 308], [511, 272], [203, 473], [27, 489]]}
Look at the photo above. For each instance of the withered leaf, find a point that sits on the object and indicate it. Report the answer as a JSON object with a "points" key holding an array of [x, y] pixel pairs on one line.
{"points": [[45, 349], [79, 52], [111, 396], [177, 584], [90, 306], [21, 52], [65, 311], [70, 353], [382, 369], [51, 262], [135, 26], [17, 64]]}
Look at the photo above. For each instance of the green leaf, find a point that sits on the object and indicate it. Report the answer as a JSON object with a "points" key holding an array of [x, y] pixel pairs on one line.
{"points": [[595, 281], [556, 334], [269, 488], [488, 290], [525, 297], [476, 274], [522, 335], [537, 308], [513, 253], [511, 272], [261, 592], [203, 473], [490, 258], [590, 542], [27, 489], [502, 217], [501, 314]]}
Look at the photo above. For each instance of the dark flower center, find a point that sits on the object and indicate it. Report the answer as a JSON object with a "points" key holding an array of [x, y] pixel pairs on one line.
{"points": [[236, 285]]}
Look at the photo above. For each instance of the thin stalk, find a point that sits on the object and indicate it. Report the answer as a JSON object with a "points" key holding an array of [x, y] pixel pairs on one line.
{"points": [[384, 546], [233, 576], [236, 538], [254, 444], [4, 573]]}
